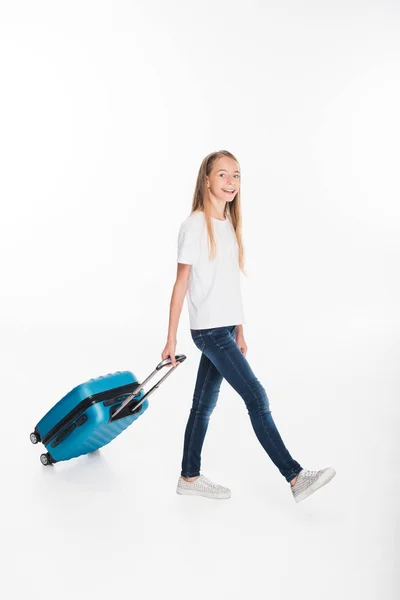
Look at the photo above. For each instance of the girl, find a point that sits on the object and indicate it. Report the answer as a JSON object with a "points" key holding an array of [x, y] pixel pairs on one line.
{"points": [[210, 258]]}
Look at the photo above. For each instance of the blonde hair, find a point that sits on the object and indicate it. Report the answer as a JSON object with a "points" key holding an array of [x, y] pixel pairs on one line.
{"points": [[201, 203]]}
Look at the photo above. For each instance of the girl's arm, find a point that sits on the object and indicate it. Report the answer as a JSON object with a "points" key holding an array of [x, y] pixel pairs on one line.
{"points": [[177, 298], [239, 337]]}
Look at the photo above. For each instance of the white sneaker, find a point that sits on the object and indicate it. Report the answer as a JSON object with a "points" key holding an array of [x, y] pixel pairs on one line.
{"points": [[202, 487], [310, 481]]}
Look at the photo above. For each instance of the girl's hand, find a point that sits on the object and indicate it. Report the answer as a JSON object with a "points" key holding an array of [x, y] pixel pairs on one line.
{"points": [[239, 337], [169, 352]]}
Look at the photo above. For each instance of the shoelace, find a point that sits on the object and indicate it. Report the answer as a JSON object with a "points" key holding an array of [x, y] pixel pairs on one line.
{"points": [[309, 473], [208, 482]]}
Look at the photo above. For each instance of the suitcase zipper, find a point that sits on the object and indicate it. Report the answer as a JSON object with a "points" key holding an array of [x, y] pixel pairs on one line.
{"points": [[75, 413]]}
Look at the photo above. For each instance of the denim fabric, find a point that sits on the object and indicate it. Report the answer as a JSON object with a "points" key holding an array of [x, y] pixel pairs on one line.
{"points": [[222, 358]]}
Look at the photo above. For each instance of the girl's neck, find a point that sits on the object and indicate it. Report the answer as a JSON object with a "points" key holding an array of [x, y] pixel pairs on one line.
{"points": [[217, 210], [216, 217]]}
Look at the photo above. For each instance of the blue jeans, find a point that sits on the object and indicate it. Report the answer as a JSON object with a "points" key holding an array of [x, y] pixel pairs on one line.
{"points": [[222, 358]]}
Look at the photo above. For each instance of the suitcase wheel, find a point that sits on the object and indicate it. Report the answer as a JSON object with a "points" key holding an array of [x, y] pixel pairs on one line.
{"points": [[34, 437], [46, 459]]}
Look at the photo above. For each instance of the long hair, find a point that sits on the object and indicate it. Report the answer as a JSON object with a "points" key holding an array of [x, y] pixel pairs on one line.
{"points": [[201, 203]]}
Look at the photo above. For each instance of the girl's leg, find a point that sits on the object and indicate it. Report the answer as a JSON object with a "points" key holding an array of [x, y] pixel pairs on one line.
{"points": [[205, 397], [220, 347]]}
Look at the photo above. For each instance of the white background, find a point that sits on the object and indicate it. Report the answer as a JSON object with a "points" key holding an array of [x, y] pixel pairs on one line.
{"points": [[107, 110]]}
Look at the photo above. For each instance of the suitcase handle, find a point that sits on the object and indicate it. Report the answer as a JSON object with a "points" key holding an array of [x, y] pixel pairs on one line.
{"points": [[167, 361], [178, 357]]}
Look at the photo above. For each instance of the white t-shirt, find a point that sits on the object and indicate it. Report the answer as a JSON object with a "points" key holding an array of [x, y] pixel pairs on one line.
{"points": [[214, 296]]}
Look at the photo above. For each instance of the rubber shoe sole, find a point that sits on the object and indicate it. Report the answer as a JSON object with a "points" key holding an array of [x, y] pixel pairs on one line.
{"points": [[216, 495]]}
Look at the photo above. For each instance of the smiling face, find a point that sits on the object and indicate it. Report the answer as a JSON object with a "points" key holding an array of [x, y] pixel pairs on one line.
{"points": [[224, 179]]}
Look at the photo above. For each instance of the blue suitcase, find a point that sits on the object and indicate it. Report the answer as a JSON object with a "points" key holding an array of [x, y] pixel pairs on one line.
{"points": [[92, 414]]}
